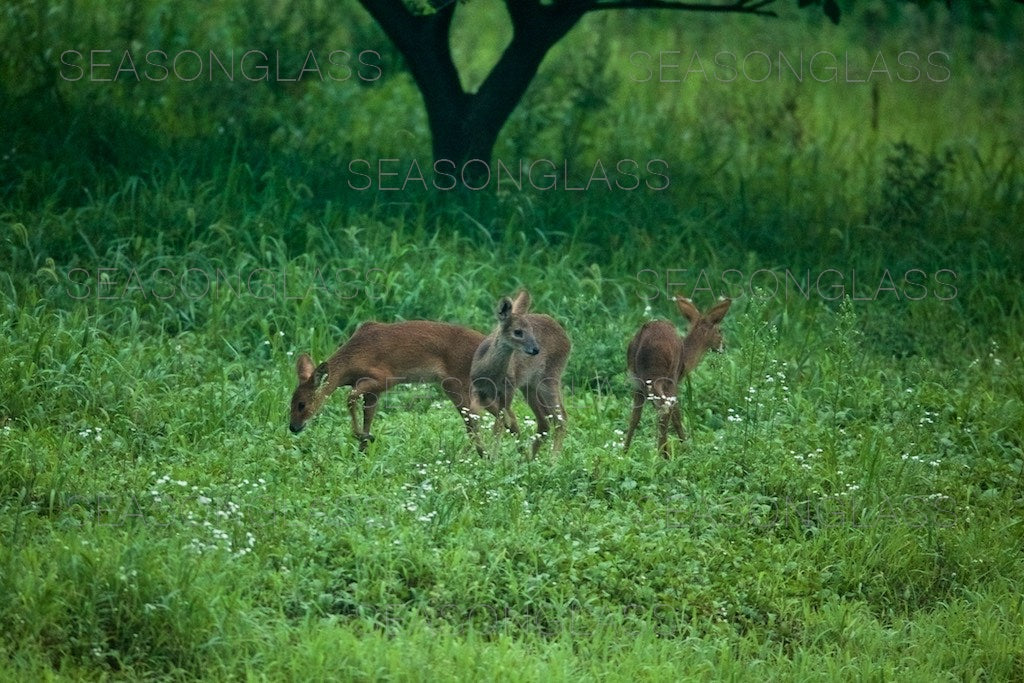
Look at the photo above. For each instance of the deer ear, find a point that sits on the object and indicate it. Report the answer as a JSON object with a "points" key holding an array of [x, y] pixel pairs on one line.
{"points": [[687, 308], [718, 311], [304, 367], [504, 309], [522, 302], [320, 377]]}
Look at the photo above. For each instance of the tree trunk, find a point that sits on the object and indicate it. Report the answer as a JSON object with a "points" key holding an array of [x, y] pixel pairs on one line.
{"points": [[465, 126]]}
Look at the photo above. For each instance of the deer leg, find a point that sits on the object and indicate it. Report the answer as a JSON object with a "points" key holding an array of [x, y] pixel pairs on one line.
{"points": [[541, 412], [500, 419], [369, 409], [463, 400], [554, 409], [639, 398], [506, 416], [472, 421], [369, 389], [664, 418], [677, 422], [510, 420], [353, 412]]}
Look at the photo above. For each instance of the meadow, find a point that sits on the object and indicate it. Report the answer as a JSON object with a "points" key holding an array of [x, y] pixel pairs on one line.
{"points": [[847, 505]]}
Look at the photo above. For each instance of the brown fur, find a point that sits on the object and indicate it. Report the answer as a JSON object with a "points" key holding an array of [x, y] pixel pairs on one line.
{"points": [[658, 358], [526, 351], [380, 356]]}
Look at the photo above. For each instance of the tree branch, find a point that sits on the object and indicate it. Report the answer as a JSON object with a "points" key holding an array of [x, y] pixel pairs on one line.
{"points": [[465, 125], [423, 40], [739, 7], [398, 23], [522, 11]]}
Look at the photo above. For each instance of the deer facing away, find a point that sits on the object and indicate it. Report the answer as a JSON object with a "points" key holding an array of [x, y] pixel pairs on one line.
{"points": [[526, 351], [380, 356], [658, 358]]}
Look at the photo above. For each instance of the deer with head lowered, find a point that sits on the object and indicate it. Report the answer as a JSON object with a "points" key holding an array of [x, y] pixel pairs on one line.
{"points": [[526, 351], [380, 356], [658, 358]]}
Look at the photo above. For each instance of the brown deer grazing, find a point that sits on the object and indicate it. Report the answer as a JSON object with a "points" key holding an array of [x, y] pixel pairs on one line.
{"points": [[526, 351], [658, 358], [379, 356]]}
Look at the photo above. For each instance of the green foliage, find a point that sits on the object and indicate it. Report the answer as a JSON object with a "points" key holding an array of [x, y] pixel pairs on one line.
{"points": [[912, 187], [849, 497]]}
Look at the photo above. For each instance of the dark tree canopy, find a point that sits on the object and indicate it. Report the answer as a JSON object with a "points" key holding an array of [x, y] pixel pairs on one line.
{"points": [[466, 125]]}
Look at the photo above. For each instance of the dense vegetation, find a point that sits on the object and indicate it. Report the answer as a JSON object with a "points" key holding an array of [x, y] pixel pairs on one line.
{"points": [[848, 503]]}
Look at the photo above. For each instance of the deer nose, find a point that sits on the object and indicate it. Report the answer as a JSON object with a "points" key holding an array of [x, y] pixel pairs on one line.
{"points": [[533, 351], [294, 428]]}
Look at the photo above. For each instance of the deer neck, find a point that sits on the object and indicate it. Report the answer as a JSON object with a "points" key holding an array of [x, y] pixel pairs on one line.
{"points": [[494, 363], [339, 368], [690, 354]]}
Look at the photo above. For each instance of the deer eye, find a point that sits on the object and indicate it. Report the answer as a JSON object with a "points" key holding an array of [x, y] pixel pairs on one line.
{"points": [[518, 334], [302, 406]]}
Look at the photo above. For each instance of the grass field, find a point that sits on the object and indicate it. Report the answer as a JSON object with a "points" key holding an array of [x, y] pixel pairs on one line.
{"points": [[848, 504]]}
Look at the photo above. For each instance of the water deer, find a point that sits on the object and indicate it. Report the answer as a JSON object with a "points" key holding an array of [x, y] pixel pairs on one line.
{"points": [[658, 358], [379, 356], [526, 351]]}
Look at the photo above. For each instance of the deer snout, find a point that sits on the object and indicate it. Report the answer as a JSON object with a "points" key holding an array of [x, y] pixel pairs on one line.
{"points": [[532, 350], [295, 428]]}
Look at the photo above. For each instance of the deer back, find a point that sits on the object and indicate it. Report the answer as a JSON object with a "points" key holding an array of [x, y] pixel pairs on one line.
{"points": [[654, 353], [415, 350]]}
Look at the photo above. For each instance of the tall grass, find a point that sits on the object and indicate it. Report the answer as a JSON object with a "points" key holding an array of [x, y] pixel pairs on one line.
{"points": [[846, 504]]}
